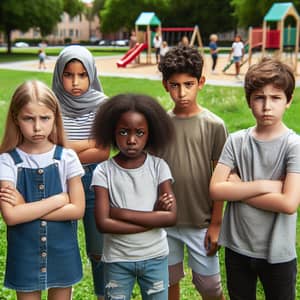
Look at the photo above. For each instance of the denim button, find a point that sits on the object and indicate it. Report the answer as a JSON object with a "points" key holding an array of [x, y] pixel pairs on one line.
{"points": [[41, 186], [43, 223], [40, 171], [43, 239], [43, 270], [44, 254]]}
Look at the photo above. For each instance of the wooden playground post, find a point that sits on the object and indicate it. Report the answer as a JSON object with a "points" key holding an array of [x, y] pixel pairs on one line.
{"points": [[264, 38], [149, 45], [196, 33], [280, 27], [250, 41], [297, 46]]}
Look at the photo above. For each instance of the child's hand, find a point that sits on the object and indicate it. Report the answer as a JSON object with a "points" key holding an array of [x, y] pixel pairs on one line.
{"points": [[165, 202], [11, 195]]}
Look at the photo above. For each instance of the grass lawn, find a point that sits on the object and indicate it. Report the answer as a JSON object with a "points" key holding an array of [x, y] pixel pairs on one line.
{"points": [[227, 102], [31, 53]]}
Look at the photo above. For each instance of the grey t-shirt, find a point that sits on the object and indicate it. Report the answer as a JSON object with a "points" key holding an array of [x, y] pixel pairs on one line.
{"points": [[135, 189], [248, 230]]}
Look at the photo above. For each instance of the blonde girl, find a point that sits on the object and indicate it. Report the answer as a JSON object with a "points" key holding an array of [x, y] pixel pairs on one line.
{"points": [[41, 197]]}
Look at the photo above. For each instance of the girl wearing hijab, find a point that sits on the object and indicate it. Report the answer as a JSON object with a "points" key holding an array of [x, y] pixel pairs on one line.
{"points": [[80, 93]]}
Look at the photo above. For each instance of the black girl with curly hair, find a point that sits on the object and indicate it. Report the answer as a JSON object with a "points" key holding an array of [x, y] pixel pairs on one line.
{"points": [[134, 198]]}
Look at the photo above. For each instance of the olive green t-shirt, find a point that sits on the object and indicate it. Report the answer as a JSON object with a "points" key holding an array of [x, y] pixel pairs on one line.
{"points": [[199, 141]]}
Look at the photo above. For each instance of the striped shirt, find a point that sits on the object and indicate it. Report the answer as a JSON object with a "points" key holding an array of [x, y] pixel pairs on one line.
{"points": [[79, 128]]}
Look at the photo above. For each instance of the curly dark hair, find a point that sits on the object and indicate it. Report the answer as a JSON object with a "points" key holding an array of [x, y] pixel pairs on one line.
{"points": [[160, 126], [270, 71], [181, 59]]}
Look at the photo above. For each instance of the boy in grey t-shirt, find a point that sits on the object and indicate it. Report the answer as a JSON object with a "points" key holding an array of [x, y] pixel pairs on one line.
{"points": [[258, 173]]}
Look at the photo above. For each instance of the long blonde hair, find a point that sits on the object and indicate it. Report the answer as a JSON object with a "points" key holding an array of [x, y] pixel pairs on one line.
{"points": [[31, 91]]}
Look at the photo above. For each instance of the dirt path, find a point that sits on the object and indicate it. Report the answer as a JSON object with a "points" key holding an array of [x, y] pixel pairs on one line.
{"points": [[107, 66]]}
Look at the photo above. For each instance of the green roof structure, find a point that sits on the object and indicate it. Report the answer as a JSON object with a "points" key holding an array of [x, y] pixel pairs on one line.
{"points": [[148, 18], [279, 11]]}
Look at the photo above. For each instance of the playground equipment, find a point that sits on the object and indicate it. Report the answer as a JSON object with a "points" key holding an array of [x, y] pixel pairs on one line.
{"points": [[144, 25], [131, 54], [173, 35], [283, 38], [145, 21]]}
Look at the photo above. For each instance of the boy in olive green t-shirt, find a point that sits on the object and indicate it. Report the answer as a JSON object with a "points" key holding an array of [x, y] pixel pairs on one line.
{"points": [[200, 136]]}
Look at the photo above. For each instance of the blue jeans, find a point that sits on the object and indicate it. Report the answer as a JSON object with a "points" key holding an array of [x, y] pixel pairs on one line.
{"points": [[93, 238], [151, 275], [278, 280]]}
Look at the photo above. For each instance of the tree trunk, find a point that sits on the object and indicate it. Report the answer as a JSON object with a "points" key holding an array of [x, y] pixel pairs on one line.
{"points": [[8, 39]]}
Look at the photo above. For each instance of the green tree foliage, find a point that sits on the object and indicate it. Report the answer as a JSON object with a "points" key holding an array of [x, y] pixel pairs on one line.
{"points": [[210, 15], [22, 15], [118, 14], [72, 7], [251, 12]]}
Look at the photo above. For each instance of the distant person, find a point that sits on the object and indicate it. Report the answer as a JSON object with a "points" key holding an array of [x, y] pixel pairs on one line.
{"points": [[134, 198], [42, 58], [258, 173], [200, 136], [213, 47], [237, 51], [132, 39], [41, 197], [184, 41], [164, 49], [157, 44]]}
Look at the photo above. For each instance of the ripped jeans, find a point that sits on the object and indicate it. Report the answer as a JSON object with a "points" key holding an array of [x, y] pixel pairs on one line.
{"points": [[151, 276]]}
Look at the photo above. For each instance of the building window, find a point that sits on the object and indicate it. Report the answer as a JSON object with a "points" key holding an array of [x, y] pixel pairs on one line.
{"points": [[71, 32]]}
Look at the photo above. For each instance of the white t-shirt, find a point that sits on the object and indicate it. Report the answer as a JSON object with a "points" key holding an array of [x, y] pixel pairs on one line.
{"points": [[157, 42], [237, 48], [69, 165], [135, 189]]}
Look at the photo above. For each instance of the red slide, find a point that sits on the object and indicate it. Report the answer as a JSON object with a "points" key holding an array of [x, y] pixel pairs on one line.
{"points": [[131, 54]]}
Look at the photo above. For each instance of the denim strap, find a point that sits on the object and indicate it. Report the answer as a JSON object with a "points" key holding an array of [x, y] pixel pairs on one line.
{"points": [[15, 156], [58, 152]]}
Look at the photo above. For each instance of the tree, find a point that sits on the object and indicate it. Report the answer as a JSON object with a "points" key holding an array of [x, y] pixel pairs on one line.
{"points": [[118, 14], [210, 15], [22, 15], [91, 11], [251, 12]]}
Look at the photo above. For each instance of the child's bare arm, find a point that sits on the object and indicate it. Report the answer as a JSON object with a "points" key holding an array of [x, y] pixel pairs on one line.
{"points": [[156, 218], [285, 201], [16, 211], [88, 152], [222, 189], [105, 222], [73, 210], [283, 196]]}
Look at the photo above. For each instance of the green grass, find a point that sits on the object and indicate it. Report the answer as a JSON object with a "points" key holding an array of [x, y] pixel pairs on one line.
{"points": [[227, 102], [20, 54]]}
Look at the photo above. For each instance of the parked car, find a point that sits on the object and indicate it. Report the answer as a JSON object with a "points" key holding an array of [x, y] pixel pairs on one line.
{"points": [[104, 43], [122, 43], [21, 45]]}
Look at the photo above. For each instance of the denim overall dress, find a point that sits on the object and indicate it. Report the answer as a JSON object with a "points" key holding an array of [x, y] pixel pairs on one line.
{"points": [[41, 254]]}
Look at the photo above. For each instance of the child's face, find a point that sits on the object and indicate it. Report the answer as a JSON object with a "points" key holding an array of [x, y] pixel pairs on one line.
{"points": [[131, 134], [36, 122], [268, 105], [183, 89], [237, 38], [75, 78]]}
